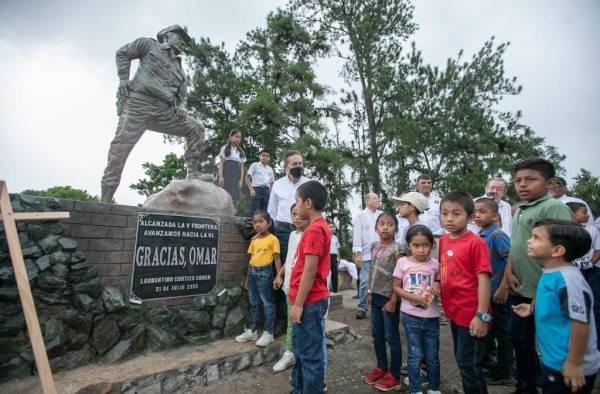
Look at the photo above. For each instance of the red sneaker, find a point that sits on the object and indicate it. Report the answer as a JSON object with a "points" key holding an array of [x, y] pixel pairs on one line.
{"points": [[388, 382], [374, 376]]}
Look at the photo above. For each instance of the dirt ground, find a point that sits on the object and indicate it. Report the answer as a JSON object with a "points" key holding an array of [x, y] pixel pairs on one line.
{"points": [[347, 364]]}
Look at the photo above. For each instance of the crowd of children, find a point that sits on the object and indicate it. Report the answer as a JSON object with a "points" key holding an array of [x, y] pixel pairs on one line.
{"points": [[499, 293]]}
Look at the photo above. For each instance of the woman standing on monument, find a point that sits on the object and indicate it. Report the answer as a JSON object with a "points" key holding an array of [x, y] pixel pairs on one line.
{"points": [[231, 165]]}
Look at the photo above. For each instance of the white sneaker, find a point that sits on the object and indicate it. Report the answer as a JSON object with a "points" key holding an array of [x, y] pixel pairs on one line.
{"points": [[287, 360], [434, 392], [247, 335], [265, 339]]}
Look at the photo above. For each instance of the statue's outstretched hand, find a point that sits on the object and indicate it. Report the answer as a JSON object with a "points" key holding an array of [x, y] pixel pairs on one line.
{"points": [[123, 90]]}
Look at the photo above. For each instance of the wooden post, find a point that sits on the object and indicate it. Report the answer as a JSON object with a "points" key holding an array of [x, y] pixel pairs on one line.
{"points": [[16, 256]]}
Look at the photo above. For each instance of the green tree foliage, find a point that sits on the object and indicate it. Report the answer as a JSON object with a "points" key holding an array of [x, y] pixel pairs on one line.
{"points": [[159, 176], [66, 192], [587, 187]]}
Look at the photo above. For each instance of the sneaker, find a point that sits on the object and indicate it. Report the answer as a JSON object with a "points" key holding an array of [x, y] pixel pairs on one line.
{"points": [[497, 379], [374, 376], [247, 335], [388, 382], [360, 314], [404, 369], [265, 339], [424, 377], [434, 392], [287, 360]]}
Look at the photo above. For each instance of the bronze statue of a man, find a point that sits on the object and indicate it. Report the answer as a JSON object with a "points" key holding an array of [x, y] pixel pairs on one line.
{"points": [[154, 100]]}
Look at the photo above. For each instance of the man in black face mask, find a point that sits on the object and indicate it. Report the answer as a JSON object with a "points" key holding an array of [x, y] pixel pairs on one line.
{"points": [[283, 196]]}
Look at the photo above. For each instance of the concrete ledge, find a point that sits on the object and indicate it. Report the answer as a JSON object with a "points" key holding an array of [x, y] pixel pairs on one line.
{"points": [[170, 371]]}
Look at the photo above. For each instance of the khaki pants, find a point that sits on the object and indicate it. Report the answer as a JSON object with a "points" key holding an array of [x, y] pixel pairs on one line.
{"points": [[143, 113]]}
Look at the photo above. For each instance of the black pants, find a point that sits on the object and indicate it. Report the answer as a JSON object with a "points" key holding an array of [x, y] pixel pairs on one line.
{"points": [[469, 352], [261, 200], [592, 277], [334, 272], [554, 383], [522, 332], [499, 338]]}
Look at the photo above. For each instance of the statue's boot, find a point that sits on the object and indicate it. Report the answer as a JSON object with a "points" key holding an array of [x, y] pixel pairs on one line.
{"points": [[192, 167]]}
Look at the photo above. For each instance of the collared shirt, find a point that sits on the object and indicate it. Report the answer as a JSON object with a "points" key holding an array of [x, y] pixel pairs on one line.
{"points": [[404, 225], [585, 261], [335, 245], [499, 245], [526, 269], [364, 234], [283, 196], [261, 174], [505, 211], [565, 199], [234, 154], [159, 74], [431, 217]]}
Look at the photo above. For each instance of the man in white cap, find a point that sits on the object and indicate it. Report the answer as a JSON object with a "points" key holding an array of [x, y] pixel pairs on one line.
{"points": [[558, 189]]}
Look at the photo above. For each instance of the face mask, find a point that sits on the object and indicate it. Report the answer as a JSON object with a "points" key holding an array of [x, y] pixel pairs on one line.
{"points": [[296, 172]]}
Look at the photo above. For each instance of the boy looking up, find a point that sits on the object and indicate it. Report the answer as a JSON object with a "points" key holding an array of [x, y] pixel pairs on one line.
{"points": [[486, 218], [465, 284], [308, 291], [531, 177], [566, 331]]}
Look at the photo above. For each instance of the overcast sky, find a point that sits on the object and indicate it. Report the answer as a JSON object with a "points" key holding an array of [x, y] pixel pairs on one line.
{"points": [[58, 74]]}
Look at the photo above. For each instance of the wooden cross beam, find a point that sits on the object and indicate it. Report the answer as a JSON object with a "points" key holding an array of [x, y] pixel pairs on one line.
{"points": [[9, 219]]}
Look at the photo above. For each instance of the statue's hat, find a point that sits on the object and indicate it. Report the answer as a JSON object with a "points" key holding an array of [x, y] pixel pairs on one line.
{"points": [[175, 29]]}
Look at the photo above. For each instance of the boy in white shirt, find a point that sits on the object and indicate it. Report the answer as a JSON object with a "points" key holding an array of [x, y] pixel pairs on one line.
{"points": [[259, 178]]}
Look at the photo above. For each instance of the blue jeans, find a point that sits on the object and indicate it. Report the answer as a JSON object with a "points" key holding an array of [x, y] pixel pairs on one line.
{"points": [[363, 276], [308, 375], [384, 327], [261, 200], [522, 333], [469, 352], [260, 289], [423, 341]]}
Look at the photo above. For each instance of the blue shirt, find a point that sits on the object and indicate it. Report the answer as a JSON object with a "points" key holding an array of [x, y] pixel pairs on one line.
{"points": [[499, 245], [562, 296]]}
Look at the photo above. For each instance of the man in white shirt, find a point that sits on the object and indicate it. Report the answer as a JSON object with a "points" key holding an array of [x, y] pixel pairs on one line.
{"points": [[431, 216], [558, 189], [364, 235], [496, 188], [259, 179], [283, 196]]}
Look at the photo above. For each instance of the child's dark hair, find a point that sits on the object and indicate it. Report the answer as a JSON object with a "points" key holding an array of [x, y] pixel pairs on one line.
{"points": [[314, 191], [228, 145], [265, 215], [419, 229], [388, 215], [574, 238], [489, 202], [543, 166], [464, 199], [576, 206], [264, 151], [292, 207]]}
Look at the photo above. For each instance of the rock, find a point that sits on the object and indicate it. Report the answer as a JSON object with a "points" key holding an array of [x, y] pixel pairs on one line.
{"points": [[54, 204], [257, 360], [37, 231], [152, 389], [205, 301], [51, 298], [32, 270], [128, 321], [31, 201], [51, 283], [234, 322], [7, 275], [77, 341], [235, 293], [55, 346], [223, 297], [43, 262], [55, 228], [10, 309], [80, 322], [113, 299], [10, 347], [212, 373], [32, 251], [91, 287], [12, 325], [67, 244], [15, 368], [132, 343], [159, 338], [193, 196], [105, 335], [24, 240], [60, 270], [76, 257], [200, 338], [219, 315], [58, 257], [99, 388], [83, 302], [244, 362], [9, 294], [49, 243], [173, 384], [197, 319], [73, 359], [54, 328]]}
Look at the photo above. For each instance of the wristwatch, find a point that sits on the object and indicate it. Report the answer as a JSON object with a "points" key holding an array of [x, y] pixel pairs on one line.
{"points": [[484, 317]]}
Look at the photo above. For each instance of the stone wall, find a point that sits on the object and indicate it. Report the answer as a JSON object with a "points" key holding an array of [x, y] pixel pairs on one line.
{"points": [[79, 271]]}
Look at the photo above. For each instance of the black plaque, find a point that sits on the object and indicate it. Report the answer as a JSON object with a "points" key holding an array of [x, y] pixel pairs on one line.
{"points": [[174, 256]]}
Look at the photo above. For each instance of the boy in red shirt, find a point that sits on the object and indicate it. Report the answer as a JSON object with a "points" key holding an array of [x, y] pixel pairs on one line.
{"points": [[465, 284], [309, 293]]}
